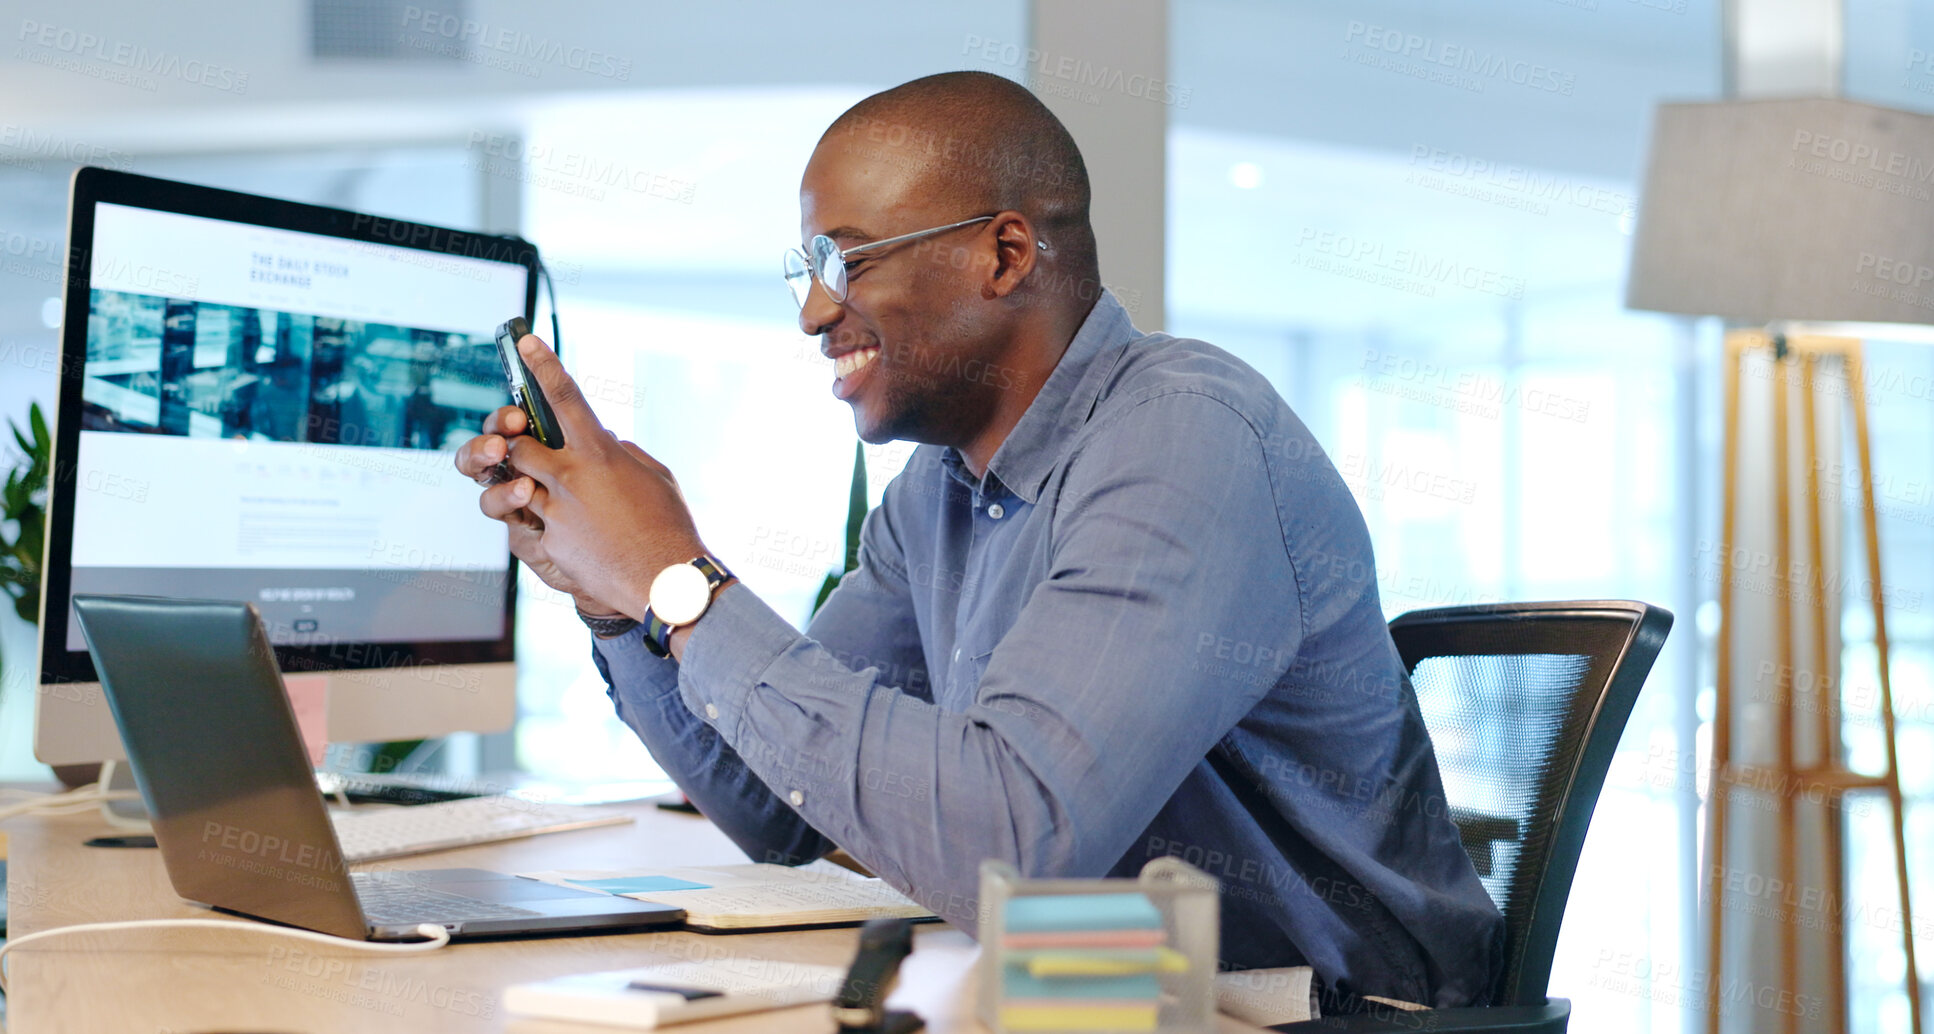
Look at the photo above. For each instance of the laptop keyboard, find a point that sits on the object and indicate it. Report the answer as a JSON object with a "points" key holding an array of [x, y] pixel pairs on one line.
{"points": [[393, 900]]}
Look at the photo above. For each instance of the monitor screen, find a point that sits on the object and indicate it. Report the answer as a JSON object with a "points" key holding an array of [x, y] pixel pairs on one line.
{"points": [[261, 405]]}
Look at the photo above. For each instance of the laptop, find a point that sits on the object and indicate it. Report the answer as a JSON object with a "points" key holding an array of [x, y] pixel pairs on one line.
{"points": [[211, 737]]}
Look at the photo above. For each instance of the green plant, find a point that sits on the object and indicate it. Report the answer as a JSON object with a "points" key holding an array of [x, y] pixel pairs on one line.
{"points": [[23, 503], [855, 516], [23, 506]]}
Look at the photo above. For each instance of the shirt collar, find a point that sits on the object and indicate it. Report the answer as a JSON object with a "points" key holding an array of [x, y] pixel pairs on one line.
{"points": [[1046, 431]]}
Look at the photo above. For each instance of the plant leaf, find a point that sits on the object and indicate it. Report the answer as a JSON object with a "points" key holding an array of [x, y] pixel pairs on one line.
{"points": [[855, 507], [855, 519]]}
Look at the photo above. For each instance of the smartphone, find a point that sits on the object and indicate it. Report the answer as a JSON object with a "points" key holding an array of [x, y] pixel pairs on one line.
{"points": [[524, 389]]}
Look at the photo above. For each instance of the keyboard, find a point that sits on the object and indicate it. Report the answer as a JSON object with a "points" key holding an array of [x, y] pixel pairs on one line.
{"points": [[398, 902], [372, 833], [366, 789]]}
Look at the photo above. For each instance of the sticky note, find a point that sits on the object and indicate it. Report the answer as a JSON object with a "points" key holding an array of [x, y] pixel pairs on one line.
{"points": [[1019, 984], [309, 698], [1046, 912], [1085, 939], [1099, 961], [639, 884], [1076, 1017]]}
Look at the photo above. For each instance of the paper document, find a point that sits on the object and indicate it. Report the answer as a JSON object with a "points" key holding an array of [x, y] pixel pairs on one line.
{"points": [[657, 996], [751, 896], [1267, 997]]}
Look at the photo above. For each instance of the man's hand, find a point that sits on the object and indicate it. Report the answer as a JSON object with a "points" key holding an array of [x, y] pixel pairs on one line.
{"points": [[481, 459], [598, 518]]}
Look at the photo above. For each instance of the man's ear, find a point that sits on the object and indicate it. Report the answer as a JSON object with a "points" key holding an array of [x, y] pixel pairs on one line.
{"points": [[1015, 252]]}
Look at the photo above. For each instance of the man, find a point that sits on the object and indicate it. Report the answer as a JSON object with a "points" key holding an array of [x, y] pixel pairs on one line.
{"points": [[1119, 604]]}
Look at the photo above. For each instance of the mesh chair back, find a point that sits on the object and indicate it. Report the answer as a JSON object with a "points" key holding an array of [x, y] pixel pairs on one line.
{"points": [[1525, 703]]}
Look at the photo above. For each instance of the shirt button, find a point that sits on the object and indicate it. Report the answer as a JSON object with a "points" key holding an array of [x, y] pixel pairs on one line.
{"points": [[956, 655], [995, 511], [712, 711], [796, 798]]}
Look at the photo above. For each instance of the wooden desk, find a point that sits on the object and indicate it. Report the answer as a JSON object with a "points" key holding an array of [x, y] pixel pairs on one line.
{"points": [[167, 981]]}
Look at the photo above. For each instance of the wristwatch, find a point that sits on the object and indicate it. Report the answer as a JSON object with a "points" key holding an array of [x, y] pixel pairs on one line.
{"points": [[679, 596]]}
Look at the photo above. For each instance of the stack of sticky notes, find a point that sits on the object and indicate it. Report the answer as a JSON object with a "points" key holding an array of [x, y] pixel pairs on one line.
{"points": [[1084, 962]]}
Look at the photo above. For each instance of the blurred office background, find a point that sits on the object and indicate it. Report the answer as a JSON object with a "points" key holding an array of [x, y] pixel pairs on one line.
{"points": [[1428, 263]]}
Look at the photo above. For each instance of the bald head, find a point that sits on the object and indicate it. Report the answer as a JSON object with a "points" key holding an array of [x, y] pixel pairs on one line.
{"points": [[972, 143], [947, 336]]}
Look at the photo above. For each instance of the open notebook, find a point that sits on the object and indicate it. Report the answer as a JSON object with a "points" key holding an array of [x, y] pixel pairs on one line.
{"points": [[751, 896]]}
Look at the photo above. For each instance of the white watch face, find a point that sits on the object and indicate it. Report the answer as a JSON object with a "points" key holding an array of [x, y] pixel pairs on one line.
{"points": [[680, 594]]}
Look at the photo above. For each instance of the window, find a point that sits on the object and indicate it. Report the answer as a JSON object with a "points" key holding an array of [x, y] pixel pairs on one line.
{"points": [[1427, 259], [1900, 399], [666, 244], [1889, 60]]}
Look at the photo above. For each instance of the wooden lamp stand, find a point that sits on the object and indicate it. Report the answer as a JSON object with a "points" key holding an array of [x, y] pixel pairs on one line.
{"points": [[1795, 359]]}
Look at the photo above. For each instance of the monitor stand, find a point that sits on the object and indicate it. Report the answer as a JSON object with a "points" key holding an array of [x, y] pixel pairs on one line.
{"points": [[131, 815]]}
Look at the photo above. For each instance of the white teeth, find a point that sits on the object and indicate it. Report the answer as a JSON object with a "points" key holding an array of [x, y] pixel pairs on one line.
{"points": [[851, 362]]}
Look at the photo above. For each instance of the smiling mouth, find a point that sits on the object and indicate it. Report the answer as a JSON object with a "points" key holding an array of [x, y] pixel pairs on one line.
{"points": [[854, 361]]}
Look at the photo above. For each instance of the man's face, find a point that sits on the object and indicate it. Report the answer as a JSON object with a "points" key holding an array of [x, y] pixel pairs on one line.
{"points": [[913, 336]]}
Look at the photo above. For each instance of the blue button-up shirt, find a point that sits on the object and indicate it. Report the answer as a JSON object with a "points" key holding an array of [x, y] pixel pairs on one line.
{"points": [[1151, 628]]}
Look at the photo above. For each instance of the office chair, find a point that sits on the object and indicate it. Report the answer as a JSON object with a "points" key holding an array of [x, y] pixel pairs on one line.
{"points": [[1525, 703]]}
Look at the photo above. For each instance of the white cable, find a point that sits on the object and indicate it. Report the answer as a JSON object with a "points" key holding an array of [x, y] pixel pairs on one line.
{"points": [[68, 807], [79, 791], [78, 799], [43, 797], [60, 807], [435, 936]]}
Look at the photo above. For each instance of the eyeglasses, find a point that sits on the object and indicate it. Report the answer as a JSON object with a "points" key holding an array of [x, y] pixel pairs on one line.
{"points": [[828, 262]]}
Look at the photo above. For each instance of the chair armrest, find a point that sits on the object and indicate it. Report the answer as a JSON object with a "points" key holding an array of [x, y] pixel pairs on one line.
{"points": [[1480, 830], [1549, 1018]]}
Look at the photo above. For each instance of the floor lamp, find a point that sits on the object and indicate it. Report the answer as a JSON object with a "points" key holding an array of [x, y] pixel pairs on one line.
{"points": [[1790, 214]]}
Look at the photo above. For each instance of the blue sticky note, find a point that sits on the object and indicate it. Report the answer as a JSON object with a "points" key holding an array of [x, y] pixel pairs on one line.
{"points": [[639, 884], [1047, 912], [1018, 984]]}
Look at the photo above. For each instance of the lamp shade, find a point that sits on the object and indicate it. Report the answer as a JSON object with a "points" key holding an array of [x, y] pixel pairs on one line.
{"points": [[1806, 209]]}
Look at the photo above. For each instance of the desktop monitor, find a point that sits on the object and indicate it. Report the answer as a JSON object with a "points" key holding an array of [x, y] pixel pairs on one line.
{"points": [[258, 401]]}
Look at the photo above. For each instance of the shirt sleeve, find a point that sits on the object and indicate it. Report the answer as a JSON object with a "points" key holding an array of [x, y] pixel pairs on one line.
{"points": [[1090, 712], [866, 624], [644, 688]]}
